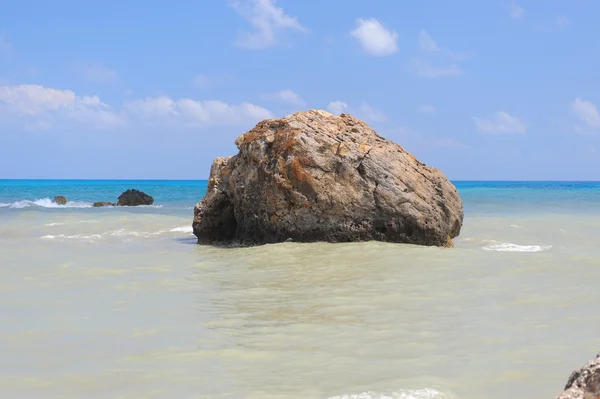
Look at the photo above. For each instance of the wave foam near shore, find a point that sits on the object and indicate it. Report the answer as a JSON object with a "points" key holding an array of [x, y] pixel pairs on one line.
{"points": [[407, 394]]}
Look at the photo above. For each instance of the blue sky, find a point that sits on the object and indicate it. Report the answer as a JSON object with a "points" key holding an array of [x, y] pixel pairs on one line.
{"points": [[483, 90]]}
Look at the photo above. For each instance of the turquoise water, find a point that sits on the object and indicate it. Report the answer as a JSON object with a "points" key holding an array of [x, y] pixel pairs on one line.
{"points": [[120, 302], [172, 195]]}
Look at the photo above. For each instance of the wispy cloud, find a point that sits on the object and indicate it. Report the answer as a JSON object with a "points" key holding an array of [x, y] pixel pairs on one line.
{"points": [[587, 115], [500, 122], [286, 96], [337, 107], [435, 61], [374, 38], [268, 21], [363, 111], [202, 80], [425, 69], [6, 49], [97, 73], [562, 22], [516, 11], [427, 109]]}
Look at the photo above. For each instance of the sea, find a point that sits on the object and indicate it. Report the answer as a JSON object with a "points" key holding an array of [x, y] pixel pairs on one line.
{"points": [[120, 302]]}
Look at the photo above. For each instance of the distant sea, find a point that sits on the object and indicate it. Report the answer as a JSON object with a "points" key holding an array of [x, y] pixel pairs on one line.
{"points": [[120, 302]]}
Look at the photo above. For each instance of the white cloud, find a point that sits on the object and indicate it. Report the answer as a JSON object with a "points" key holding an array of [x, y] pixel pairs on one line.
{"points": [[186, 113], [374, 38], [425, 69], [268, 21], [516, 11], [587, 114], [287, 96], [337, 107], [428, 109], [370, 113], [500, 122], [97, 73], [38, 107]]}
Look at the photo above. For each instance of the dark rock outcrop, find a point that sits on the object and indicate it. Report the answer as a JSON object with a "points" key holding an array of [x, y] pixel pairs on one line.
{"points": [[314, 176], [584, 383], [134, 198], [103, 203], [60, 200]]}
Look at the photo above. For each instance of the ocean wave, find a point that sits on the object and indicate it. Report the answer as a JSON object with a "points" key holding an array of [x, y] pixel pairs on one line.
{"points": [[182, 229], [47, 203], [4, 205], [509, 247], [119, 233], [407, 394]]}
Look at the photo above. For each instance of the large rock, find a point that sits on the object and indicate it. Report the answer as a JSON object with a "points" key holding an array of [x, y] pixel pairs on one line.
{"points": [[134, 198], [314, 176], [60, 200], [584, 383]]}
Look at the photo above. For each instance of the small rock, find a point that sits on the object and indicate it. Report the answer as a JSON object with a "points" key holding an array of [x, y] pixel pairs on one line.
{"points": [[134, 198], [60, 200], [102, 203]]}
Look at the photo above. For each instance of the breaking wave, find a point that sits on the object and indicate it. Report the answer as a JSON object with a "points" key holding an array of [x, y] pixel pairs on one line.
{"points": [[509, 247], [48, 203], [119, 233]]}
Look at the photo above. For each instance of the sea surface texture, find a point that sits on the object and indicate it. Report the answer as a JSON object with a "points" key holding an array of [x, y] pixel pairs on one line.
{"points": [[121, 302]]}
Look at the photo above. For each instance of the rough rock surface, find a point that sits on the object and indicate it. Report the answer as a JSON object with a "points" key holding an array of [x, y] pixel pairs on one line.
{"points": [[102, 203], [314, 176], [584, 383], [134, 198], [60, 200]]}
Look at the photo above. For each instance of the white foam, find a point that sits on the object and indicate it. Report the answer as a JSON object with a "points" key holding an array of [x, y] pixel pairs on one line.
{"points": [[515, 226], [48, 203], [509, 247], [80, 237], [182, 229], [4, 205], [407, 394]]}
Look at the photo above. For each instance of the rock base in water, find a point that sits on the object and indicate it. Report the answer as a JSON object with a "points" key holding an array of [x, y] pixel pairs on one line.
{"points": [[314, 176], [100, 204], [60, 200]]}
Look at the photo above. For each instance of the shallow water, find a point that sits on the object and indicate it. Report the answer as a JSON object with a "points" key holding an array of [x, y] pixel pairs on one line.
{"points": [[121, 303]]}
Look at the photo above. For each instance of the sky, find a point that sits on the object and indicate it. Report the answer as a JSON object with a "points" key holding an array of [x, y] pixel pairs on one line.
{"points": [[482, 90]]}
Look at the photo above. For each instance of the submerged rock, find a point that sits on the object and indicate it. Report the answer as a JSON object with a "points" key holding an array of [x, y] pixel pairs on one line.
{"points": [[134, 198], [60, 200], [103, 203], [314, 176], [584, 383]]}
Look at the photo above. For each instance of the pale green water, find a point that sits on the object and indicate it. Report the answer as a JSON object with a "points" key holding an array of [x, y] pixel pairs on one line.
{"points": [[120, 303]]}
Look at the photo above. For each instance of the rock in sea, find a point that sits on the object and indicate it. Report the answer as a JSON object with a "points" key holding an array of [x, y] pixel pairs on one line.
{"points": [[313, 176], [60, 200], [584, 383], [134, 198], [102, 203]]}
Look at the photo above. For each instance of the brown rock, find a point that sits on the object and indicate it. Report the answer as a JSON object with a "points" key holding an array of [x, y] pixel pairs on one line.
{"points": [[584, 383], [102, 203], [60, 200], [314, 176]]}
